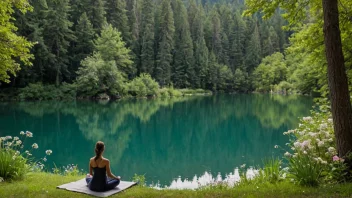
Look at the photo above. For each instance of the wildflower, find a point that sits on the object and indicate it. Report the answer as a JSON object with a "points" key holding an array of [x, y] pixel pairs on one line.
{"points": [[330, 120], [9, 143], [8, 138], [296, 144], [330, 140], [324, 162], [276, 146], [331, 150], [335, 158], [48, 152], [14, 157], [304, 152], [312, 134], [44, 159], [29, 134], [243, 166], [16, 138], [307, 118], [22, 133], [320, 143], [28, 153], [342, 160], [18, 142], [35, 146], [323, 126], [17, 153], [287, 154]]}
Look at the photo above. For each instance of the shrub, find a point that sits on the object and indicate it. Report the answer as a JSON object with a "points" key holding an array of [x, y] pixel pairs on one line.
{"points": [[313, 150], [142, 86], [38, 91], [14, 163]]}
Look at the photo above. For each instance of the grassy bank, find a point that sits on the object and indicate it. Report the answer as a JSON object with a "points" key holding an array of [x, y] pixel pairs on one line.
{"points": [[44, 185]]}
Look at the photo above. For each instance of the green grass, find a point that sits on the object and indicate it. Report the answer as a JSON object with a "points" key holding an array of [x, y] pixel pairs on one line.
{"points": [[41, 185]]}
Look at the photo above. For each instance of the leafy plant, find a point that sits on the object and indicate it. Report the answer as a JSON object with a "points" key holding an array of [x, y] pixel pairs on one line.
{"points": [[271, 170], [140, 179]]}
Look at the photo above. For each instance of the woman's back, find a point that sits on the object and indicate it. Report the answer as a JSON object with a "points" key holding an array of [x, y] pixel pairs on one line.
{"points": [[98, 182]]}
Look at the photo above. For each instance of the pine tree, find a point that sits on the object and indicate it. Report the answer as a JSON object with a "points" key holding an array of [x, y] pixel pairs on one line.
{"points": [[196, 16], [111, 47], [116, 15], [83, 45], [183, 70], [96, 14], [238, 43], [253, 50], [57, 36], [166, 36], [147, 38]]}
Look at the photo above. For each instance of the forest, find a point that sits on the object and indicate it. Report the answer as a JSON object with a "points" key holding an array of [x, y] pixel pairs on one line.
{"points": [[133, 47], [116, 46]]}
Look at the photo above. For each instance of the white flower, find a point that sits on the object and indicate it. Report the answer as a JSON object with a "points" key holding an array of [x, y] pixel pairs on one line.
{"points": [[324, 162], [297, 144], [14, 157], [299, 125], [330, 140], [22, 133], [331, 150], [304, 152], [307, 118], [320, 143], [44, 159], [312, 134], [330, 120], [16, 138], [323, 126], [243, 166], [8, 138], [17, 153], [29, 134], [287, 154], [48, 152], [35, 146], [9, 143], [276, 146]]}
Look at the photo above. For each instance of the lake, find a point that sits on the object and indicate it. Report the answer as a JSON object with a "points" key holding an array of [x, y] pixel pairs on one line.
{"points": [[161, 139]]}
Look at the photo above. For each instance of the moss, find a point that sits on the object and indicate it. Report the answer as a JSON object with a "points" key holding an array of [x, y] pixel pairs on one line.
{"points": [[44, 185]]}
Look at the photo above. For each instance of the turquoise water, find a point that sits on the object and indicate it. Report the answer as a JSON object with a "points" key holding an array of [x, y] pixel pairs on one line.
{"points": [[162, 139]]}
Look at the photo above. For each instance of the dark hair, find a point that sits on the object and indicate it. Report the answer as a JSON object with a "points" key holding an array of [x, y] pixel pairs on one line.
{"points": [[99, 148]]}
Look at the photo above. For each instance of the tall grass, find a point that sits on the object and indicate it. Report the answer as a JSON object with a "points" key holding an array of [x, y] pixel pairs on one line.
{"points": [[305, 171], [271, 170], [12, 165]]}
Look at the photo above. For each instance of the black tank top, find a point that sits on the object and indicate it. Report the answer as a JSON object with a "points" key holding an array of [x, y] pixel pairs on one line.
{"points": [[99, 179]]}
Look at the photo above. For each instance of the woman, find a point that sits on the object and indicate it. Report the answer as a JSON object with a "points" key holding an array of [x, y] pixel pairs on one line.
{"points": [[101, 167]]}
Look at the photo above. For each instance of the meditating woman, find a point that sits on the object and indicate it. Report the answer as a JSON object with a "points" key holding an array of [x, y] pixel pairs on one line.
{"points": [[99, 167]]}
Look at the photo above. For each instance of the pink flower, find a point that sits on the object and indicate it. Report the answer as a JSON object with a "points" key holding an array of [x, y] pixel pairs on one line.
{"points": [[335, 158]]}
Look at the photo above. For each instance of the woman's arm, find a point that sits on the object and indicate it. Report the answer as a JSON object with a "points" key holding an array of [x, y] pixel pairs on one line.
{"points": [[90, 168], [108, 171]]}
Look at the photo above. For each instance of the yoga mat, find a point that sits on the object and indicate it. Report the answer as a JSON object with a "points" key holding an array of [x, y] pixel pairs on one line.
{"points": [[81, 186]]}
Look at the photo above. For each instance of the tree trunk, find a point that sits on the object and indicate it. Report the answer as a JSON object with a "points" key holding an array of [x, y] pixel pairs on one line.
{"points": [[338, 86]]}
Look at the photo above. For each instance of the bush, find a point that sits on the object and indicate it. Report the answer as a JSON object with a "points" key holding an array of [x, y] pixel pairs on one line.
{"points": [[313, 151], [143, 86], [38, 91], [14, 163]]}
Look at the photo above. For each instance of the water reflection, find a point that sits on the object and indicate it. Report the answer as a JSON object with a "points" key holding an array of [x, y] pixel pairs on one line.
{"points": [[163, 139]]}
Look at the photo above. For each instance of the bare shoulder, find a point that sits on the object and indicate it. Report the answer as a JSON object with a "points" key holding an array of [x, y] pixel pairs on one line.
{"points": [[106, 160]]}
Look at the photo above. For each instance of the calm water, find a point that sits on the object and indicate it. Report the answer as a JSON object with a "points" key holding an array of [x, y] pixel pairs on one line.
{"points": [[162, 139]]}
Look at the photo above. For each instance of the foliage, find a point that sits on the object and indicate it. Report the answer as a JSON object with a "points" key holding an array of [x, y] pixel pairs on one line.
{"points": [[314, 151], [97, 76], [270, 72], [13, 48], [15, 162], [271, 170], [39, 91], [143, 86], [140, 179]]}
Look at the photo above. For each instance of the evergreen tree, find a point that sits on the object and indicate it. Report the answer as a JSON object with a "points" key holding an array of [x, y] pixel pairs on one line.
{"points": [[83, 45], [112, 48], [253, 50], [96, 14], [183, 70], [200, 49], [147, 38], [57, 36], [166, 36], [116, 15]]}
